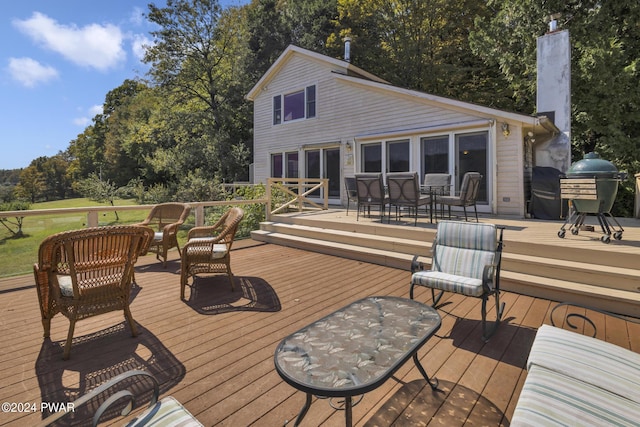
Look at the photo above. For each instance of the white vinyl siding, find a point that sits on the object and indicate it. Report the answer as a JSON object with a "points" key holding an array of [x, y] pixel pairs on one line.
{"points": [[358, 111]]}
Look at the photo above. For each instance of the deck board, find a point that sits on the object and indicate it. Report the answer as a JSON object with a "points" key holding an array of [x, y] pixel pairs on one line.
{"points": [[214, 353]]}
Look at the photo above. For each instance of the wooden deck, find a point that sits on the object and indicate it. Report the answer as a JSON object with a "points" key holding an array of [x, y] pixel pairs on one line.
{"points": [[214, 353]]}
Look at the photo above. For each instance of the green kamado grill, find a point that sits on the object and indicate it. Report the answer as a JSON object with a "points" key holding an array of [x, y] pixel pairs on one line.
{"points": [[591, 184]]}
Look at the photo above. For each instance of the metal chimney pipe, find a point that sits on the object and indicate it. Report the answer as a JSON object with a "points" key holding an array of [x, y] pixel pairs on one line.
{"points": [[347, 49]]}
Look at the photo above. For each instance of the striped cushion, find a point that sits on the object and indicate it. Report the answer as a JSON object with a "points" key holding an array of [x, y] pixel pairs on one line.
{"points": [[448, 282], [467, 235], [549, 398], [461, 262], [591, 360], [463, 249], [167, 412]]}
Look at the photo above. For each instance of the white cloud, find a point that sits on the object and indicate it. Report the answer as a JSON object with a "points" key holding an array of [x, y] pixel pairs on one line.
{"points": [[81, 121], [30, 72], [91, 112], [137, 16], [94, 45], [139, 45], [96, 109]]}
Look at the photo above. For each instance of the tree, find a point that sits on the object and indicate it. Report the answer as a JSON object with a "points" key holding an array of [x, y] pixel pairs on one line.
{"points": [[32, 184], [54, 174], [97, 189], [197, 58], [17, 221], [421, 45], [605, 58]]}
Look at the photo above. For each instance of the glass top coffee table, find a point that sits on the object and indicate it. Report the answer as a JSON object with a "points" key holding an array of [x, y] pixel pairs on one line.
{"points": [[355, 349]]}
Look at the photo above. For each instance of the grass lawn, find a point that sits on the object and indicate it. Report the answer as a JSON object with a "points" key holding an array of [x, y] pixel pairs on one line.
{"points": [[20, 253]]}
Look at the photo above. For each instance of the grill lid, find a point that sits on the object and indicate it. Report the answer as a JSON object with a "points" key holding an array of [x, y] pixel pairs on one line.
{"points": [[593, 166]]}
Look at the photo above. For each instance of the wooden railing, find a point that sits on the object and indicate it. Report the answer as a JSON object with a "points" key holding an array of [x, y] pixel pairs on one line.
{"points": [[297, 193], [93, 211], [299, 189]]}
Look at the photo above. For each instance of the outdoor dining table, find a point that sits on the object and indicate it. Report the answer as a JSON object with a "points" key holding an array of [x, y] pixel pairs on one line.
{"points": [[356, 349], [434, 191]]}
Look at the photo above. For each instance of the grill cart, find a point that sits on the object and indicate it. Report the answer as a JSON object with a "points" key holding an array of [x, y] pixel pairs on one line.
{"points": [[591, 185]]}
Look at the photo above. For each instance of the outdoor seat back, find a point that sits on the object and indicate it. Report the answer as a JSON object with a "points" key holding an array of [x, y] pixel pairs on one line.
{"points": [[404, 191], [438, 183], [464, 249], [208, 248], [466, 260], [165, 220], [351, 190], [87, 272], [403, 188], [467, 196], [370, 191]]}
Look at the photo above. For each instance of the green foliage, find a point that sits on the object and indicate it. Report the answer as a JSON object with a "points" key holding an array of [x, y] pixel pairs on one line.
{"points": [[189, 128], [97, 189], [253, 213], [9, 223], [604, 71], [32, 184]]}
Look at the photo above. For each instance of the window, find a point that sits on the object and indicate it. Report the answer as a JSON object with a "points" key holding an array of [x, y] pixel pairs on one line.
{"points": [[276, 165], [396, 156], [292, 165], [435, 154], [372, 158], [277, 110], [311, 101], [294, 106]]}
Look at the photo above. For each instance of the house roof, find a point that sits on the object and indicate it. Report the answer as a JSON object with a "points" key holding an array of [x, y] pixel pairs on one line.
{"points": [[341, 66], [351, 74]]}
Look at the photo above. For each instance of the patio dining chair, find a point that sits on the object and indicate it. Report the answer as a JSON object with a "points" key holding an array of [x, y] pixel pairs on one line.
{"points": [[437, 185], [84, 273], [371, 192], [165, 219], [351, 191], [466, 260], [404, 192], [208, 248], [467, 196]]}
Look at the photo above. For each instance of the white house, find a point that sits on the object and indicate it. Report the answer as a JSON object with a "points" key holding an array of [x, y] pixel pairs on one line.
{"points": [[321, 117]]}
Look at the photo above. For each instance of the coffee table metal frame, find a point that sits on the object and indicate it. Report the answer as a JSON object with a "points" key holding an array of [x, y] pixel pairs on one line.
{"points": [[297, 355]]}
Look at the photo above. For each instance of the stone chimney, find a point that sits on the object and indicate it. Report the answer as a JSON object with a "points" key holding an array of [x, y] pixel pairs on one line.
{"points": [[554, 95]]}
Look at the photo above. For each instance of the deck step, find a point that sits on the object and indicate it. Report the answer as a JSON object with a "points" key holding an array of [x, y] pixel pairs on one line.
{"points": [[607, 287]]}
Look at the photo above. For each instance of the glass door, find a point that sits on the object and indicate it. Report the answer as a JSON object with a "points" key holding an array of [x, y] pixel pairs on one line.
{"points": [[324, 163], [471, 156]]}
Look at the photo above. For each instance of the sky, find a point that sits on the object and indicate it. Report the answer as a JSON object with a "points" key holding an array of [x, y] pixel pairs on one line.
{"points": [[58, 60]]}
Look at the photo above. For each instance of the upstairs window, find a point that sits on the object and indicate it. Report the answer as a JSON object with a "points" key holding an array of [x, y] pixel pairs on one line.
{"points": [[294, 106]]}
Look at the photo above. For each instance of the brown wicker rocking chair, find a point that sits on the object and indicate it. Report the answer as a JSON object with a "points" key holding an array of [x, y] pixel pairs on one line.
{"points": [[83, 273], [208, 248], [165, 219]]}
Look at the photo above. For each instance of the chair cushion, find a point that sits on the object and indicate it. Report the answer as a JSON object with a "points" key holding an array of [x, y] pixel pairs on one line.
{"points": [[167, 412], [549, 398], [476, 236], [65, 284], [593, 361], [448, 282], [462, 262], [219, 249]]}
